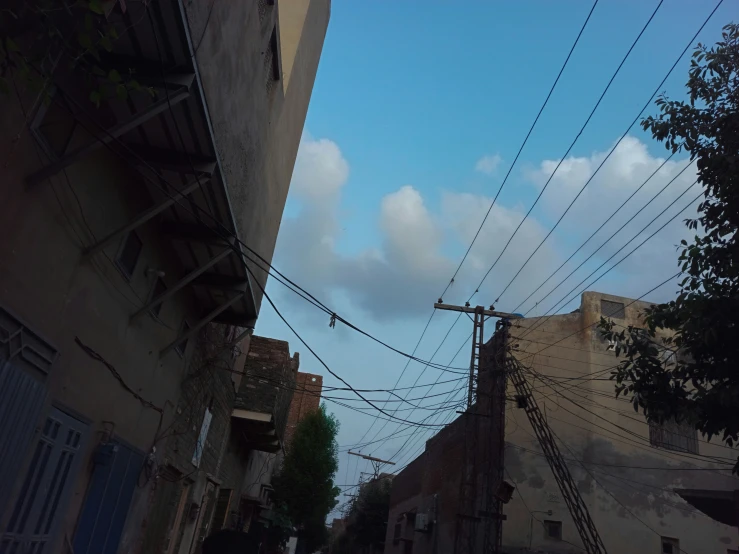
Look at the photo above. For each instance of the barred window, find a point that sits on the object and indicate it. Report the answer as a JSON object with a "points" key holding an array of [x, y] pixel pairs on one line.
{"points": [[615, 310], [670, 435]]}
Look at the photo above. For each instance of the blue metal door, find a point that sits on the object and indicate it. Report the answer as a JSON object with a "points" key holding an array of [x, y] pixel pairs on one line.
{"points": [[45, 488], [115, 474]]}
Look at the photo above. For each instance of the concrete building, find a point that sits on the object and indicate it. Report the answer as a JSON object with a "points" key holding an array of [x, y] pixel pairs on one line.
{"points": [[306, 399], [631, 473], [118, 262], [242, 444]]}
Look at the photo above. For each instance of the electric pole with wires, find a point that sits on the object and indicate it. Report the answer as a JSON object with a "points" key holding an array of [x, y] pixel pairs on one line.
{"points": [[477, 503]]}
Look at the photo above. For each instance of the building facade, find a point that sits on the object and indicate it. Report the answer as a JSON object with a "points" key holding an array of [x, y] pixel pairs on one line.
{"points": [[630, 472], [306, 399], [132, 225]]}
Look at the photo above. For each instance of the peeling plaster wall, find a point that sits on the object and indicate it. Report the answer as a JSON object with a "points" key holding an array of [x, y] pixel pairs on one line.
{"points": [[605, 433]]}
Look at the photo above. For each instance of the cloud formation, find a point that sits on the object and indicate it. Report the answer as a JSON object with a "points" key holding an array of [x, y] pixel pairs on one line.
{"points": [[419, 249], [488, 164]]}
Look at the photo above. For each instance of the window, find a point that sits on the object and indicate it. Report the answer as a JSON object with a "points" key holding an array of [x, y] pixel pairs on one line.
{"points": [[182, 346], [396, 532], [612, 309], [670, 546], [200, 444], [671, 435], [159, 288], [129, 254], [553, 529], [54, 128]]}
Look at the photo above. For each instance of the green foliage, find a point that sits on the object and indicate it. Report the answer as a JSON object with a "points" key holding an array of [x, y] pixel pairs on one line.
{"points": [[700, 382], [304, 486], [36, 35], [369, 512]]}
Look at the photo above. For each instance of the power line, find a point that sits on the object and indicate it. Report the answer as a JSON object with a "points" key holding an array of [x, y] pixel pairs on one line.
{"points": [[623, 136], [642, 441], [531, 129], [572, 145], [567, 301], [320, 360], [431, 388], [592, 325], [565, 155], [619, 230], [609, 493], [424, 370]]}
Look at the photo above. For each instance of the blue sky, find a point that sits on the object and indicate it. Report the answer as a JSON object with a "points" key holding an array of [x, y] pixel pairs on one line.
{"points": [[409, 98]]}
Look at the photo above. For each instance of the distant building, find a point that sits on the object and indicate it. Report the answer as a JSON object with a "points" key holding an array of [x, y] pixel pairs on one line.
{"points": [[125, 299], [635, 469], [306, 399]]}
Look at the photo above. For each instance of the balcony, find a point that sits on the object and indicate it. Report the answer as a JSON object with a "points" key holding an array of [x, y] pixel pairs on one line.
{"points": [[265, 392]]}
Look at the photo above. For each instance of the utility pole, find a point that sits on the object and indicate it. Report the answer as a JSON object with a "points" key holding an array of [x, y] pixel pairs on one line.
{"points": [[377, 463], [471, 511]]}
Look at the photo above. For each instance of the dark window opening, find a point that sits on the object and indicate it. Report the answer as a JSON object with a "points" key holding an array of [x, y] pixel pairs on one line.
{"points": [[54, 128], [553, 529], [396, 532], [159, 289], [670, 546], [129, 254], [670, 435], [612, 309]]}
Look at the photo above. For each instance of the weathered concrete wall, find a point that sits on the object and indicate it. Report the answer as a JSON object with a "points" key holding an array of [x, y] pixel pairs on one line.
{"points": [[47, 283], [613, 442], [626, 477], [306, 399], [258, 121]]}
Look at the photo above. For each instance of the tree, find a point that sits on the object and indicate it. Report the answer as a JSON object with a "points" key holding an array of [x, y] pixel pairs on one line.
{"points": [[685, 363], [37, 35], [369, 512], [304, 486], [367, 519]]}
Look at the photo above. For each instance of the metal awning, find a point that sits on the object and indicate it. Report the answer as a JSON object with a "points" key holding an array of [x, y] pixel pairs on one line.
{"points": [[258, 430], [721, 506], [168, 138]]}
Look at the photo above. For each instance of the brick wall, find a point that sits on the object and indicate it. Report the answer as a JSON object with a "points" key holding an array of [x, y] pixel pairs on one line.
{"points": [[431, 483], [269, 379], [306, 398]]}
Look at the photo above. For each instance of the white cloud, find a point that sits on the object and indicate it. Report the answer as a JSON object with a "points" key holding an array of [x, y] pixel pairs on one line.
{"points": [[488, 164], [320, 169], [419, 248], [622, 175]]}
